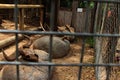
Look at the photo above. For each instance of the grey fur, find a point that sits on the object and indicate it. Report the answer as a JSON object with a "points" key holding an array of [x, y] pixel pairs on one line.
{"points": [[60, 47], [27, 72]]}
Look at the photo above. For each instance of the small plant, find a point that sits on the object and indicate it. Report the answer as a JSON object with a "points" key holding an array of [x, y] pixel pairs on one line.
{"points": [[85, 4], [90, 41]]}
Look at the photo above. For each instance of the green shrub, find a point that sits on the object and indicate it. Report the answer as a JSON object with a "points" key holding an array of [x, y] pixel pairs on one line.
{"points": [[90, 41]]}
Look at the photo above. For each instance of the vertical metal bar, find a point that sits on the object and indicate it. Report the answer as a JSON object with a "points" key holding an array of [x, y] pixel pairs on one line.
{"points": [[16, 27], [15, 14], [51, 36], [83, 43], [81, 58], [52, 15], [50, 56]]}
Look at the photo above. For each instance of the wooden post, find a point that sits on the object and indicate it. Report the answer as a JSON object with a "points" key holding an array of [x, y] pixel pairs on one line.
{"points": [[21, 19], [21, 11]]}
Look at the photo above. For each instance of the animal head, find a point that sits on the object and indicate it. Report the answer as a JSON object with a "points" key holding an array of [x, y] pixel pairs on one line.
{"points": [[29, 55], [26, 54]]}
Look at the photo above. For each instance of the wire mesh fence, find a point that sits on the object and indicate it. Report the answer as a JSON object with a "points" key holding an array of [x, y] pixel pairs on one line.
{"points": [[106, 35]]}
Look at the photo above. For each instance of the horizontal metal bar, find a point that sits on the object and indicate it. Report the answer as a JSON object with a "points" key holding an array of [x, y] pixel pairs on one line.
{"points": [[60, 33], [53, 64], [105, 1]]}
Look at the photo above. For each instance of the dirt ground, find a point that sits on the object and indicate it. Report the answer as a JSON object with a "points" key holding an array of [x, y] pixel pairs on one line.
{"points": [[60, 72]]}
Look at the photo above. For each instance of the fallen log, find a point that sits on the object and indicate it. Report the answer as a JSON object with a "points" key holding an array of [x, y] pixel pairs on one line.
{"points": [[8, 41]]}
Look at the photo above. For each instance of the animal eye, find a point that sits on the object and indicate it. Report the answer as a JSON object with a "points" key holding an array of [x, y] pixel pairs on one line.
{"points": [[27, 56], [36, 55]]}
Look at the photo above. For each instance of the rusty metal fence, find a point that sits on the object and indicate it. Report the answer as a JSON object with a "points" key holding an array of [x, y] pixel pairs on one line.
{"points": [[106, 35]]}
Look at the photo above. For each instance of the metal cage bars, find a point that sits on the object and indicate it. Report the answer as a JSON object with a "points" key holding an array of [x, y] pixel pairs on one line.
{"points": [[51, 33]]}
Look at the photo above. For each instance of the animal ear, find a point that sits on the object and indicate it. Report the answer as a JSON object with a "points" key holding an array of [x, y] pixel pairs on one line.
{"points": [[36, 55]]}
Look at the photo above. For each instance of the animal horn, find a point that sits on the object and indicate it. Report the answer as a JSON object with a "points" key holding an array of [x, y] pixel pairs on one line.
{"points": [[6, 57], [29, 43]]}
